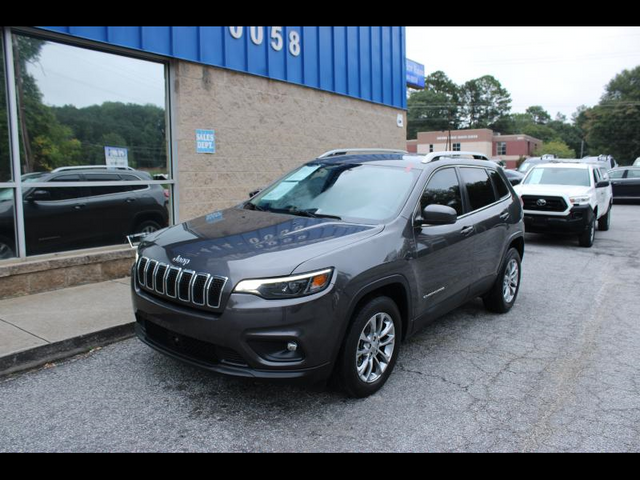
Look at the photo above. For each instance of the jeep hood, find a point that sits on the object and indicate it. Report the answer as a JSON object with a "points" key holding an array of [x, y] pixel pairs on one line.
{"points": [[239, 243]]}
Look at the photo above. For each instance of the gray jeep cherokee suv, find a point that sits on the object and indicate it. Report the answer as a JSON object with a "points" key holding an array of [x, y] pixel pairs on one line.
{"points": [[326, 271]]}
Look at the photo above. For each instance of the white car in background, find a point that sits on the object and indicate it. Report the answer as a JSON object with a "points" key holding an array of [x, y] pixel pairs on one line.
{"points": [[567, 197]]}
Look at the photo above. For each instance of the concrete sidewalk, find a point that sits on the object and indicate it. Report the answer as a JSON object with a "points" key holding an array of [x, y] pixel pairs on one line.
{"points": [[46, 327]]}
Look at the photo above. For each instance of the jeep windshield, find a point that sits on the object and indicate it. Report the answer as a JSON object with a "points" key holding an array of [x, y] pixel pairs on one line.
{"points": [[361, 193], [558, 176]]}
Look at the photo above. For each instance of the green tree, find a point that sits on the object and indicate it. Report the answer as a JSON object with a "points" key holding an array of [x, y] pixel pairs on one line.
{"points": [[612, 126], [484, 102], [434, 108], [557, 148], [44, 142], [538, 115]]}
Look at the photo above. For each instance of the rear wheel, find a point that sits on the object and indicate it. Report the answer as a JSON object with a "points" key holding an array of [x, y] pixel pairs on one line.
{"points": [[605, 221], [504, 292], [7, 249], [147, 227], [370, 349]]}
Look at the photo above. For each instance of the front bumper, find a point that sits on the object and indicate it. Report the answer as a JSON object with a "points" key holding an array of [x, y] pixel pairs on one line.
{"points": [[248, 339], [576, 222]]}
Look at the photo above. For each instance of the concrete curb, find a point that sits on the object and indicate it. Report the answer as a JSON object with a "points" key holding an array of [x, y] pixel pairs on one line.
{"points": [[38, 356]]}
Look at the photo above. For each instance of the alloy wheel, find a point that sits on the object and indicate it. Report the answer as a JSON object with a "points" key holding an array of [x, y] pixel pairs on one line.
{"points": [[375, 347], [511, 281]]}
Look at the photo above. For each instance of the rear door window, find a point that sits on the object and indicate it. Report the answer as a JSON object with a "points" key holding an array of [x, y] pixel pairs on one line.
{"points": [[106, 190], [501, 188], [479, 188]]}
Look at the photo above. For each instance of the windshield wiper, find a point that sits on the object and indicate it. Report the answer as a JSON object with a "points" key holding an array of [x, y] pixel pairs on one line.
{"points": [[311, 213], [253, 206]]}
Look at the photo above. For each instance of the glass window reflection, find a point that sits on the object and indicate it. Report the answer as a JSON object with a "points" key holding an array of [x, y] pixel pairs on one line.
{"points": [[7, 229], [80, 107], [5, 148], [59, 218]]}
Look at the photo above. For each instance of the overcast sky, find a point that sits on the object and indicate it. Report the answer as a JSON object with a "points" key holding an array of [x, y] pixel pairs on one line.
{"points": [[559, 68], [80, 77]]}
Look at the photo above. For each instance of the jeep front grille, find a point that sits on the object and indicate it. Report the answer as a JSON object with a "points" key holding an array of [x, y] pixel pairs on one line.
{"points": [[178, 284]]}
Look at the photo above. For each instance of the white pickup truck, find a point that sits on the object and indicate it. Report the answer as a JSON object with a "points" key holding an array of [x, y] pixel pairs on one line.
{"points": [[568, 198]]}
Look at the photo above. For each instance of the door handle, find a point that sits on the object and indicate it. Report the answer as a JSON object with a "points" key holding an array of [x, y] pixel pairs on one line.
{"points": [[79, 206], [466, 231], [130, 200], [504, 216]]}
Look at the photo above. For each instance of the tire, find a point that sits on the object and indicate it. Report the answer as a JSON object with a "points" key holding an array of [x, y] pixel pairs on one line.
{"points": [[504, 292], [588, 237], [370, 349], [148, 226], [7, 250], [604, 222]]}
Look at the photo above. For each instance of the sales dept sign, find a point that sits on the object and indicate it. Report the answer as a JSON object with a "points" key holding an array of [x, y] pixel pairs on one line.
{"points": [[205, 141]]}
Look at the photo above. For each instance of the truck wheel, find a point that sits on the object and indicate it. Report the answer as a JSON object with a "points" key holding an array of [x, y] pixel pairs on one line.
{"points": [[587, 238], [605, 221], [505, 290], [370, 349], [6, 248]]}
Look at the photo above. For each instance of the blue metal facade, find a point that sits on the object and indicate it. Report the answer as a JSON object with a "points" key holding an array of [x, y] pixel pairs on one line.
{"points": [[368, 63]]}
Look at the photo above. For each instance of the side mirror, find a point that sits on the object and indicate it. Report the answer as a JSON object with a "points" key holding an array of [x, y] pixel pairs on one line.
{"points": [[39, 196], [602, 184], [254, 193], [437, 215]]}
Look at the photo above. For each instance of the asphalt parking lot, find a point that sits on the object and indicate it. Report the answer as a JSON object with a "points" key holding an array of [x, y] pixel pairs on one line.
{"points": [[560, 372]]}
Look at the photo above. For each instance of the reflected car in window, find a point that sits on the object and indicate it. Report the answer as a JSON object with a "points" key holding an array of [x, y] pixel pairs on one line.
{"points": [[64, 217]]}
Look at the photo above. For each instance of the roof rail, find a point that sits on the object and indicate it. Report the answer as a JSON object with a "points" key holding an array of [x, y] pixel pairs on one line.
{"points": [[91, 167], [347, 151], [432, 157]]}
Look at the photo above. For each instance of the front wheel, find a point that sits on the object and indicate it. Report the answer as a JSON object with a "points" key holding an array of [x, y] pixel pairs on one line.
{"points": [[504, 292], [370, 349], [588, 237]]}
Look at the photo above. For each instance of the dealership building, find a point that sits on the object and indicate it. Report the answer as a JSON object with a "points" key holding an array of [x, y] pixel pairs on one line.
{"points": [[508, 148], [202, 114]]}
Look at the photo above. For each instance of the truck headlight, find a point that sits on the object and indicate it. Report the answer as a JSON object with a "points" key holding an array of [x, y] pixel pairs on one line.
{"points": [[579, 200], [287, 287]]}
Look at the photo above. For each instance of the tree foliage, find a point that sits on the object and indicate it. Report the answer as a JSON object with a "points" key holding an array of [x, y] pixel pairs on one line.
{"points": [[484, 102], [612, 126], [557, 148], [52, 137], [435, 107]]}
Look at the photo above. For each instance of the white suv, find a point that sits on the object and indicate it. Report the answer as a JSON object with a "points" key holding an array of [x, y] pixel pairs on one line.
{"points": [[567, 197]]}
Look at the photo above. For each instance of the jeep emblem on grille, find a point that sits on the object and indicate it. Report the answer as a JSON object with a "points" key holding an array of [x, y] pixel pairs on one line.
{"points": [[180, 260], [541, 202]]}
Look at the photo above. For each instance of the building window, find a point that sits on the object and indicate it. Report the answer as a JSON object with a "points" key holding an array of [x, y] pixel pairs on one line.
{"points": [[456, 147], [93, 142], [501, 148], [7, 186]]}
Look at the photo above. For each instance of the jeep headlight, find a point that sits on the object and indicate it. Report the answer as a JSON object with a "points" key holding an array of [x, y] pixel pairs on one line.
{"points": [[580, 200], [287, 287]]}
